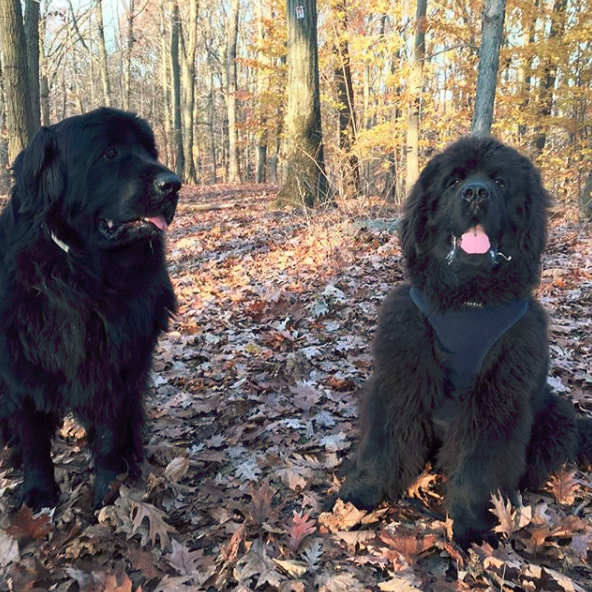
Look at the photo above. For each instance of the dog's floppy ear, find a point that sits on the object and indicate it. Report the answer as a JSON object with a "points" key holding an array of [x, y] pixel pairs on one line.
{"points": [[39, 174], [418, 211]]}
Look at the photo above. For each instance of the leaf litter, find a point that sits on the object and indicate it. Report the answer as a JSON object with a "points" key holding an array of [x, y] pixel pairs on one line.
{"points": [[252, 411]]}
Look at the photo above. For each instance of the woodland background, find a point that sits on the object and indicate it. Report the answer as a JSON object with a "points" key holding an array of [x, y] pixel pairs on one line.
{"points": [[211, 77]]}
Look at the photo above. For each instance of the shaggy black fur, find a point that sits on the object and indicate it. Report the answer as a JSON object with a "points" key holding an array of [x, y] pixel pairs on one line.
{"points": [[84, 292], [497, 427]]}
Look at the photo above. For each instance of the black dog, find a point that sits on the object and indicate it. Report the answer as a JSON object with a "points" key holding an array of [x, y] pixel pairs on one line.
{"points": [[461, 353], [84, 292]]}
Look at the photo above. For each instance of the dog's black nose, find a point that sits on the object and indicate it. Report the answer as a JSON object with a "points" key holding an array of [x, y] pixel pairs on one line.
{"points": [[167, 182], [476, 192]]}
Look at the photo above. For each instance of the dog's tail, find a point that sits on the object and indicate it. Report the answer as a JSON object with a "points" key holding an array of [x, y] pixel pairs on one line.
{"points": [[584, 425]]}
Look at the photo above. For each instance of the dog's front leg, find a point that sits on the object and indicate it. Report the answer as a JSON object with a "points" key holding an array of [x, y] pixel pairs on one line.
{"points": [[483, 453]]}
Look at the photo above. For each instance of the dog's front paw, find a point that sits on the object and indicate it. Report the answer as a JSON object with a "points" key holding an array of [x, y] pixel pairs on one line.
{"points": [[40, 491], [361, 490]]}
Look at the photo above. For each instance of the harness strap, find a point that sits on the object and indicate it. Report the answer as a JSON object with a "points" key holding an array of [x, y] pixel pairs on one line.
{"points": [[467, 335]]}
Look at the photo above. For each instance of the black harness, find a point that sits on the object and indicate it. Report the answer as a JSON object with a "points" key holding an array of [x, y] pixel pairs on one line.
{"points": [[466, 335]]}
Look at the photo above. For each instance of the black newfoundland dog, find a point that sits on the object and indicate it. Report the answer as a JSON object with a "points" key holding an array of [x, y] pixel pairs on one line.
{"points": [[84, 292], [461, 352]]}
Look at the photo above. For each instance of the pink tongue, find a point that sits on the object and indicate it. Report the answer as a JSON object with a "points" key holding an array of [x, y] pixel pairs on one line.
{"points": [[158, 221], [475, 241]]}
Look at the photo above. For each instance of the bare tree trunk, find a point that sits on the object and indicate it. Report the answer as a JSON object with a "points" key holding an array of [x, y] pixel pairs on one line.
{"points": [[491, 39], [416, 83], [165, 81], [547, 87], [176, 91], [188, 64], [19, 119], [345, 98], [212, 123], [32, 40], [127, 58], [262, 88], [231, 87], [103, 54], [305, 182]]}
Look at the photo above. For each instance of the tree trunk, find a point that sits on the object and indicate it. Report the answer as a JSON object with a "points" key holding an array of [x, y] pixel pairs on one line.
{"points": [[32, 40], [127, 58], [415, 87], [103, 54], [176, 91], [262, 88], [165, 66], [491, 39], [189, 93], [19, 112], [305, 180], [231, 86], [345, 98], [547, 87]]}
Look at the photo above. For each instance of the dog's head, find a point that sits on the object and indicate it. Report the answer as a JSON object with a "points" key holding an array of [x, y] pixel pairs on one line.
{"points": [[475, 221], [96, 178]]}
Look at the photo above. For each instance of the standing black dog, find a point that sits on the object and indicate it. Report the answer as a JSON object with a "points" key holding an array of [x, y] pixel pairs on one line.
{"points": [[84, 292], [461, 352]]}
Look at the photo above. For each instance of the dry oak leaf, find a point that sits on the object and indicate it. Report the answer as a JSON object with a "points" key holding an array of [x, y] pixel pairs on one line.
{"points": [[509, 521], [9, 549], [343, 516], [564, 486], [177, 469], [25, 527], [397, 584], [182, 560], [157, 525], [408, 546], [299, 528]]}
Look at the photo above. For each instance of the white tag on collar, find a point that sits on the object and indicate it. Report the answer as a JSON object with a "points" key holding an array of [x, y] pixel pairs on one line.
{"points": [[59, 243]]}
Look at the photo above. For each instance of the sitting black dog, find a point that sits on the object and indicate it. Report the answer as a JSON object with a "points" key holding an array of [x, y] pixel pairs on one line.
{"points": [[461, 353], [84, 292]]}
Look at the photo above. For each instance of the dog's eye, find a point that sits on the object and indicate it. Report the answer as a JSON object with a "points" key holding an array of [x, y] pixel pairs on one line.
{"points": [[452, 182], [500, 182], [110, 154]]}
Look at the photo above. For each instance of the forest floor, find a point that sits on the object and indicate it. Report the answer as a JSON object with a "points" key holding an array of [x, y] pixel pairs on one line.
{"points": [[253, 409]]}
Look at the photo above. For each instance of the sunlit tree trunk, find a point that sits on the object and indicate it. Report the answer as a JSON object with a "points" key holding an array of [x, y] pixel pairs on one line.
{"points": [[19, 118], [305, 180], [415, 87], [231, 87], [491, 40], [103, 53]]}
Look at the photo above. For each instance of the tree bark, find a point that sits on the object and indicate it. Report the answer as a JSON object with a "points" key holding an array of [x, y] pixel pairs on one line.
{"points": [[262, 88], [176, 91], [188, 80], [231, 87], [19, 118], [547, 86], [345, 98], [491, 39], [32, 40], [103, 54], [127, 58], [305, 180], [415, 87]]}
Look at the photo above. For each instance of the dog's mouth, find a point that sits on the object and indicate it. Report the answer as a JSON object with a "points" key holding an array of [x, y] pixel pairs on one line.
{"points": [[131, 230], [474, 246]]}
